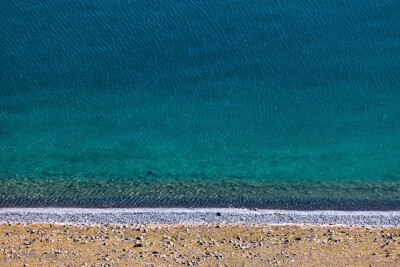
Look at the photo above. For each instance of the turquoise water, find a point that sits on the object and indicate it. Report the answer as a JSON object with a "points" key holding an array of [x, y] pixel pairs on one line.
{"points": [[279, 104]]}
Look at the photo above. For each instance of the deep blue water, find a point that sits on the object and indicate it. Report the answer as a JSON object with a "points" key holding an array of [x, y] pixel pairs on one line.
{"points": [[274, 104]]}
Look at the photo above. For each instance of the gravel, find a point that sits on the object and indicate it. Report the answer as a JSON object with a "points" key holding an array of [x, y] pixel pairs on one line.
{"points": [[197, 216]]}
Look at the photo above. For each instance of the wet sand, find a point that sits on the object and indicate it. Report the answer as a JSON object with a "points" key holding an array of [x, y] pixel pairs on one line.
{"points": [[45, 244]]}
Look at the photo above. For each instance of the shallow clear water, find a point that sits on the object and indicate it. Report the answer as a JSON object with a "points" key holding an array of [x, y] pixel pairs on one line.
{"points": [[285, 104]]}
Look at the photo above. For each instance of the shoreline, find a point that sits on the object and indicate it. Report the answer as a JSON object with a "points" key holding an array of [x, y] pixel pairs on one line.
{"points": [[197, 216]]}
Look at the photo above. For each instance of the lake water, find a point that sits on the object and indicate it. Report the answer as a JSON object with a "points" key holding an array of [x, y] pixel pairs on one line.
{"points": [[270, 104]]}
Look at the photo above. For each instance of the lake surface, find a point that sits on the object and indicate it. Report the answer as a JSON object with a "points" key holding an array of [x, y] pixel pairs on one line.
{"points": [[269, 104]]}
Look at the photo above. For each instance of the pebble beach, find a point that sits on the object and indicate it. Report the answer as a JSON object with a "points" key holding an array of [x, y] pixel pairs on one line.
{"points": [[197, 216], [198, 237]]}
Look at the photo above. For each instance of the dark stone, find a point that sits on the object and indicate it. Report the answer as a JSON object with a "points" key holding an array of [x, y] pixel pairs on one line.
{"points": [[219, 214]]}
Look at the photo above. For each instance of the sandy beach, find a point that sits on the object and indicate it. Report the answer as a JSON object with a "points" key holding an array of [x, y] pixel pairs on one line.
{"points": [[45, 244], [203, 237]]}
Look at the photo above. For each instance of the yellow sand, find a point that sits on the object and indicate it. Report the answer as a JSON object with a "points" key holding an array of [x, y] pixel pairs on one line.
{"points": [[203, 245]]}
